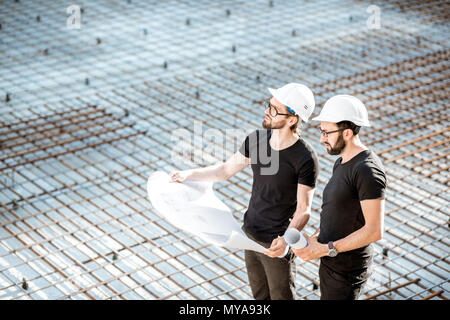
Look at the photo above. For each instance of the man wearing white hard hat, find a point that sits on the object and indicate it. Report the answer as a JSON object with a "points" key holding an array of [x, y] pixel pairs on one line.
{"points": [[353, 203], [285, 170]]}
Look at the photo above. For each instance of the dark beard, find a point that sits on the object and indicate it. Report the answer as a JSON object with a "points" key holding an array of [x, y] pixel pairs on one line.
{"points": [[338, 147], [268, 125]]}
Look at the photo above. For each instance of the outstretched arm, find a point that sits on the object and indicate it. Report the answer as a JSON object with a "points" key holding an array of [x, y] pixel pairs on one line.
{"points": [[217, 172]]}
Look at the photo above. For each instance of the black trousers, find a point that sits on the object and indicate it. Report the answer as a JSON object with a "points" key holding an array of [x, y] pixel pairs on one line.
{"points": [[342, 286], [271, 278]]}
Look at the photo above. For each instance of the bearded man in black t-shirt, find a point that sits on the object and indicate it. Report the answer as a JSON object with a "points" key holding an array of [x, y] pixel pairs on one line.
{"points": [[285, 170], [353, 203]]}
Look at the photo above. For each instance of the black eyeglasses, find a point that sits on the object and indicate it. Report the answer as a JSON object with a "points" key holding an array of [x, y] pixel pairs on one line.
{"points": [[326, 133], [274, 112]]}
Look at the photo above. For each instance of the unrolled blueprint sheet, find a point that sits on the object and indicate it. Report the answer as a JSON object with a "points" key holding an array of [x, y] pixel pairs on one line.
{"points": [[192, 206]]}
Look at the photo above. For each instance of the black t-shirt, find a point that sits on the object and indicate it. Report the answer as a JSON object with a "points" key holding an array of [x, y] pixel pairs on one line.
{"points": [[360, 178], [276, 175]]}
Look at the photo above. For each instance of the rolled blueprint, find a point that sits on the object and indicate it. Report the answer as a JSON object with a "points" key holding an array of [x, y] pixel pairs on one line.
{"points": [[295, 239]]}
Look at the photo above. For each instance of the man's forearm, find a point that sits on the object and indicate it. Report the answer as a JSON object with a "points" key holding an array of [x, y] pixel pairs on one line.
{"points": [[299, 220], [211, 173], [304, 203], [358, 239]]}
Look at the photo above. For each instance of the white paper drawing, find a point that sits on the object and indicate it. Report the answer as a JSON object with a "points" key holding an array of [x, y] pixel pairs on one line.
{"points": [[192, 206]]}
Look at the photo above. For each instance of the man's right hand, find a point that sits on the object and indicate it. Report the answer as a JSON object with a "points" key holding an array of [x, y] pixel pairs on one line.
{"points": [[179, 176]]}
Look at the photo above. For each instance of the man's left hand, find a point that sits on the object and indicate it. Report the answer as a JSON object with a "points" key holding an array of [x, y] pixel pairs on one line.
{"points": [[277, 248]]}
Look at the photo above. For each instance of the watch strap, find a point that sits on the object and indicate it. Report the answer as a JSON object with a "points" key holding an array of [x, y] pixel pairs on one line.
{"points": [[331, 246]]}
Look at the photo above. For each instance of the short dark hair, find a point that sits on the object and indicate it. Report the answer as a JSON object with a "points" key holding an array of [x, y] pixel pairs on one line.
{"points": [[349, 125]]}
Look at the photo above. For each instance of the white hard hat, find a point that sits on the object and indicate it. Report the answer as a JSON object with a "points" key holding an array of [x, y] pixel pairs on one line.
{"points": [[344, 107], [297, 97]]}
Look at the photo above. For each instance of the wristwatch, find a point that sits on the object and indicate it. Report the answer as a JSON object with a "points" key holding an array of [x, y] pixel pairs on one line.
{"points": [[332, 252]]}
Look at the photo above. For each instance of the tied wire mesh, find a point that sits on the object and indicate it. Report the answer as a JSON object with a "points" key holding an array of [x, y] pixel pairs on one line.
{"points": [[86, 115]]}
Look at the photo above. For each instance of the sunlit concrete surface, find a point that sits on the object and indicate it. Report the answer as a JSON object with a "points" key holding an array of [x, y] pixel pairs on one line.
{"points": [[88, 113]]}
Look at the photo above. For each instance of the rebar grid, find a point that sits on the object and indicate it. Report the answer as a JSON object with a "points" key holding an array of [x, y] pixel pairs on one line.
{"points": [[75, 220]]}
